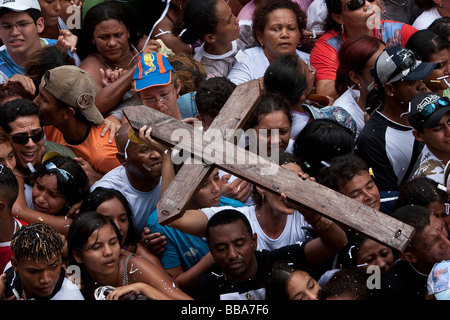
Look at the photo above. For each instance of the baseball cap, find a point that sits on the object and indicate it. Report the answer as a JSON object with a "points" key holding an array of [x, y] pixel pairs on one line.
{"points": [[153, 69], [75, 87], [335, 113], [398, 63], [438, 280], [427, 109], [20, 5]]}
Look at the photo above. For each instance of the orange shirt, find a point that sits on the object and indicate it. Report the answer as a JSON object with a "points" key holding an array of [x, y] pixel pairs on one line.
{"points": [[95, 149]]}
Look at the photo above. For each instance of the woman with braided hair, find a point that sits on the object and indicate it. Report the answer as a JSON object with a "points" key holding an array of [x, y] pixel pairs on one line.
{"points": [[37, 271]]}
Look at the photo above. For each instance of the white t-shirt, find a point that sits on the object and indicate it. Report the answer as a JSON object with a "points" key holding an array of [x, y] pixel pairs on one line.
{"points": [[141, 203], [429, 166], [254, 65], [293, 231], [68, 291], [426, 18], [220, 65], [317, 15], [299, 121], [347, 101]]}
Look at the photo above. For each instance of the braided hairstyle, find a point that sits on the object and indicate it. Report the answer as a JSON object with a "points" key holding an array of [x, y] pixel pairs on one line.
{"points": [[37, 241]]}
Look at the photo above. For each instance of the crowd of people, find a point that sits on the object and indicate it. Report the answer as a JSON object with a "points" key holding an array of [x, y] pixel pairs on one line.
{"points": [[354, 96]]}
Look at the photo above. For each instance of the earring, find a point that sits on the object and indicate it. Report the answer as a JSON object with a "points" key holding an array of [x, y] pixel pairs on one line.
{"points": [[342, 29], [262, 197], [441, 6], [392, 94]]}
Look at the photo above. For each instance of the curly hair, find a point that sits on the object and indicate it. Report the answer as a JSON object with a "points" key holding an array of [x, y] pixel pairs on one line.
{"points": [[261, 15], [212, 94], [190, 71], [342, 169]]}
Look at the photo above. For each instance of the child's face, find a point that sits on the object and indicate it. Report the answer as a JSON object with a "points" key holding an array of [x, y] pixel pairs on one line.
{"points": [[7, 156]]}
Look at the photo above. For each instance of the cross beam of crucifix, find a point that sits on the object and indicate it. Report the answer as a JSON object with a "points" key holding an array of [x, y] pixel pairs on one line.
{"points": [[259, 171]]}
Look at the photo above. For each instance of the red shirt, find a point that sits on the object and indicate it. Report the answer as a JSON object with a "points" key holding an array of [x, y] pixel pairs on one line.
{"points": [[324, 55]]}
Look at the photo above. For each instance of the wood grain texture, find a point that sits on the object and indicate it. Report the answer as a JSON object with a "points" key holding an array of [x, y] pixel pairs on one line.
{"points": [[266, 174], [233, 115]]}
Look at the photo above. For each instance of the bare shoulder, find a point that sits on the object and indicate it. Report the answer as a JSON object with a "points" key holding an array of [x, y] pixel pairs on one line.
{"points": [[91, 62]]}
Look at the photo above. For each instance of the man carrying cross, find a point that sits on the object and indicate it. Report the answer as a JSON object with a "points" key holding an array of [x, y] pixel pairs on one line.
{"points": [[314, 200]]}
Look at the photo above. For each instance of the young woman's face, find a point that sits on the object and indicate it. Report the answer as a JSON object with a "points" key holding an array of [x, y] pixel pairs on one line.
{"points": [[227, 28], [7, 155], [366, 77], [301, 286], [433, 81], [210, 192], [273, 128], [100, 255], [115, 210], [46, 196]]}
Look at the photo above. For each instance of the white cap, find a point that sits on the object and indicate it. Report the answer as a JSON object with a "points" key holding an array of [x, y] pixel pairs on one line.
{"points": [[20, 5]]}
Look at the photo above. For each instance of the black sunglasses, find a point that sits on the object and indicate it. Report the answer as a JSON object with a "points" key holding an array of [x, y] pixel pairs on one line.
{"points": [[355, 4], [21, 138]]}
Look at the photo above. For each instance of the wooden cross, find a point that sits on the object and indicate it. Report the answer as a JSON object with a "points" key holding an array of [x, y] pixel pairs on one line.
{"points": [[255, 169]]}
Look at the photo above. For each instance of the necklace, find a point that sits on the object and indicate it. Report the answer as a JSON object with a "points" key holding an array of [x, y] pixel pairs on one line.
{"points": [[403, 4], [116, 67]]}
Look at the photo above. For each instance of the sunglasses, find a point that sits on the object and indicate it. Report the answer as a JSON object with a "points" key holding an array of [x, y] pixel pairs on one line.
{"points": [[355, 4], [51, 167], [21, 138], [429, 109]]}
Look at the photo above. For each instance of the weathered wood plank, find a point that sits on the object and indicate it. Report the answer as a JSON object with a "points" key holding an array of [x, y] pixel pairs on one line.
{"points": [[233, 115], [260, 171]]}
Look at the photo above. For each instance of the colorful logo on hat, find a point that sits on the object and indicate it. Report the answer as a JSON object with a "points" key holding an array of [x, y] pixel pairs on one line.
{"points": [[153, 69], [148, 60]]}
